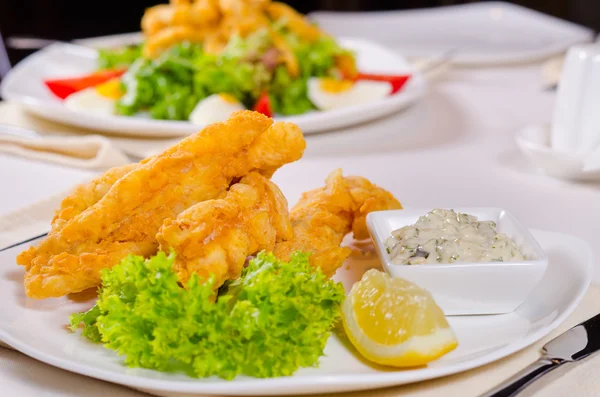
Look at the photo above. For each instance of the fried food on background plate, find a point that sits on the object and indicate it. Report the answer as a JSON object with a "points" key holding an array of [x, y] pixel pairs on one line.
{"points": [[324, 216], [214, 22], [215, 237], [294, 21], [126, 218]]}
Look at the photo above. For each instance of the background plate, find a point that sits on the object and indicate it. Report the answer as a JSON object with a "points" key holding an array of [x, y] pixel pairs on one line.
{"points": [[483, 33], [24, 84], [38, 329]]}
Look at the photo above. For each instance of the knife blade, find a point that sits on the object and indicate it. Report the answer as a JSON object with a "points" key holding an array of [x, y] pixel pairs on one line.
{"points": [[573, 345]]}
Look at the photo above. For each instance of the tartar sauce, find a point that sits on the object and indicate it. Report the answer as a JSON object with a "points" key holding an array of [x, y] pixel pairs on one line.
{"points": [[444, 236]]}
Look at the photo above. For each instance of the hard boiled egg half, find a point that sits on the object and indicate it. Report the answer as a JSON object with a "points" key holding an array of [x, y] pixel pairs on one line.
{"points": [[99, 100], [329, 93], [215, 108]]}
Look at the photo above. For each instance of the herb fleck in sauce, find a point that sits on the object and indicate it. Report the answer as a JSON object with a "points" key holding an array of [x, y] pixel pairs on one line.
{"points": [[445, 236]]}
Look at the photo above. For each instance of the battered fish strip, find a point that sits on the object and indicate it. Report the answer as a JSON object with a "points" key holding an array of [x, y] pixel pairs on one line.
{"points": [[324, 216], [88, 194], [215, 237], [127, 217]]}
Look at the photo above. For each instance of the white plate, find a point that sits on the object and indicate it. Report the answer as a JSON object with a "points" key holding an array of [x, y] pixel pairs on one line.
{"points": [[483, 33], [37, 328], [24, 84]]}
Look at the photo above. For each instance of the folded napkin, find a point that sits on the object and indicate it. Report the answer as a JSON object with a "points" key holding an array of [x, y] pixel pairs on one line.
{"points": [[89, 151], [13, 114], [580, 379]]}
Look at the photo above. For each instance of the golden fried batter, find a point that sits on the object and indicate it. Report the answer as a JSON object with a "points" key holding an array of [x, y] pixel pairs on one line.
{"points": [[287, 56], [294, 21], [205, 12], [88, 194], [215, 237], [171, 35], [127, 217], [213, 23], [324, 216]]}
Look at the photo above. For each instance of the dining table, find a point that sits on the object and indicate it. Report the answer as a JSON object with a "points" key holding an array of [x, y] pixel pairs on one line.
{"points": [[455, 147]]}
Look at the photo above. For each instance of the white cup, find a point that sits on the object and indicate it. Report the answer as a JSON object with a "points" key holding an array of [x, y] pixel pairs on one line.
{"points": [[576, 118]]}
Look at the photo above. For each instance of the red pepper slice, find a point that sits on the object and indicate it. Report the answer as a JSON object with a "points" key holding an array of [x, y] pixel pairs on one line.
{"points": [[263, 105], [62, 88], [397, 81]]}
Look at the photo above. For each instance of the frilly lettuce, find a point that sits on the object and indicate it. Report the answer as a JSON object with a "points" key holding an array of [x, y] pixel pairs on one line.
{"points": [[289, 95], [274, 319], [170, 86], [119, 57]]}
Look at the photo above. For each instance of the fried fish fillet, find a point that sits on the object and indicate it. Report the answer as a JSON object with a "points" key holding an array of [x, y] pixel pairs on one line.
{"points": [[324, 216], [126, 218], [215, 237], [88, 194]]}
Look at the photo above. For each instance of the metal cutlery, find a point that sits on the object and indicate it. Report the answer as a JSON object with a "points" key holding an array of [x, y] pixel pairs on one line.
{"points": [[37, 43], [573, 345], [23, 242], [431, 63], [30, 43]]}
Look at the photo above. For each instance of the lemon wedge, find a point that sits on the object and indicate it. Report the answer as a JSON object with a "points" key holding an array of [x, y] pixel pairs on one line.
{"points": [[394, 322]]}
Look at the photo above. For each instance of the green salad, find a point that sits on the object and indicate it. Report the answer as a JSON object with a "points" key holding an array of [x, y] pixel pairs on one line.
{"points": [[170, 86], [271, 321]]}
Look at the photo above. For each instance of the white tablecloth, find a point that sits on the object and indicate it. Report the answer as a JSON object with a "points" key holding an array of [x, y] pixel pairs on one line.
{"points": [[455, 148]]}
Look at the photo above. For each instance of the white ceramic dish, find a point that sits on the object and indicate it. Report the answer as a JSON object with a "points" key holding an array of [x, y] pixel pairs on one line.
{"points": [[482, 33], [534, 143], [37, 328], [467, 288], [24, 84], [576, 118], [569, 148]]}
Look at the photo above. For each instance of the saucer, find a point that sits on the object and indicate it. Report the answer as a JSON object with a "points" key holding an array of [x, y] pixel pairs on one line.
{"points": [[534, 142]]}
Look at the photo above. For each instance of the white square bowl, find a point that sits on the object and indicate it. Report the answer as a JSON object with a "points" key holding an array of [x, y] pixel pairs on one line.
{"points": [[467, 288]]}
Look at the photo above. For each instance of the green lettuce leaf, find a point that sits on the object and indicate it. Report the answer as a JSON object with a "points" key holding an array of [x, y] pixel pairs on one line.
{"points": [[289, 95], [170, 86], [273, 320], [118, 58], [89, 320]]}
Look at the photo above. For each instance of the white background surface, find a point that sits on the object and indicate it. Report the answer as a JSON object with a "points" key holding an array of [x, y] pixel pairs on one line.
{"points": [[455, 148]]}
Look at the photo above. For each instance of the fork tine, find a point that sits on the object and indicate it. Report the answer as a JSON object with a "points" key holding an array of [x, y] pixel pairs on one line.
{"points": [[23, 242]]}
